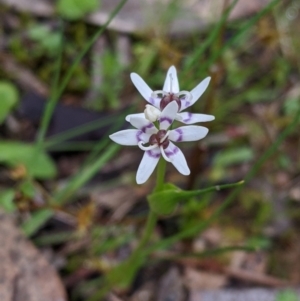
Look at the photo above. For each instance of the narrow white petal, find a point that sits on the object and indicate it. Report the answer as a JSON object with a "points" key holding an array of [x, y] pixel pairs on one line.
{"points": [[168, 115], [188, 133], [147, 165], [178, 159], [171, 82], [144, 125], [127, 137], [190, 118], [142, 87], [140, 115], [198, 91]]}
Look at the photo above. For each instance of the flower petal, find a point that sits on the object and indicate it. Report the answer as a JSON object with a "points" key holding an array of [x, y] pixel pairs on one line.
{"points": [[188, 133], [155, 101], [171, 82], [168, 115], [185, 103], [144, 125], [147, 165], [190, 118], [140, 115], [178, 159], [127, 137], [142, 87], [196, 93]]}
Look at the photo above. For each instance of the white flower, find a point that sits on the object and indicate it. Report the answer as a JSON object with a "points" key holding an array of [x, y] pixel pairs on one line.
{"points": [[156, 142], [171, 92]]}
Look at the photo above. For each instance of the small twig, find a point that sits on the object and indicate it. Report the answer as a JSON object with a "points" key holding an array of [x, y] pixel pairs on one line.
{"points": [[256, 278]]}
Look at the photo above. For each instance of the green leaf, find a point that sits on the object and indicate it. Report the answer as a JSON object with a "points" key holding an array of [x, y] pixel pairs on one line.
{"points": [[6, 200], [38, 165], [48, 40], [27, 188], [36, 221], [258, 243], [69, 10], [233, 156], [287, 295], [76, 9], [124, 274], [87, 5], [9, 96], [291, 106], [171, 186], [38, 32], [164, 202]]}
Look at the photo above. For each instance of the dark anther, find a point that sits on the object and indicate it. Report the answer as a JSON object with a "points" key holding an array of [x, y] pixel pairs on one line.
{"points": [[153, 139], [161, 134], [156, 139], [165, 144], [167, 99]]}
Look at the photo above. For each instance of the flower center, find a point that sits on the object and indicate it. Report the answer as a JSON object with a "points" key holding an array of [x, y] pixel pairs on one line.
{"points": [[169, 97], [160, 139]]}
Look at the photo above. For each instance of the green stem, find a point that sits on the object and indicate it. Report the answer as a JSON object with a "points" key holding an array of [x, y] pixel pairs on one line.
{"points": [[152, 216], [160, 177], [150, 225]]}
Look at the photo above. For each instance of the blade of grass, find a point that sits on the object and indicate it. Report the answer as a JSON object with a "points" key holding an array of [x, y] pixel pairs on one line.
{"points": [[50, 105], [73, 146], [209, 253], [40, 217], [74, 132], [86, 174], [89, 167], [117, 125], [54, 238], [36, 221], [54, 140], [55, 95], [57, 91], [210, 39], [238, 35]]}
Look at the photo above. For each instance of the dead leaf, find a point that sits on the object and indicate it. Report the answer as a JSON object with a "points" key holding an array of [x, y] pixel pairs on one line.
{"points": [[171, 286], [257, 294], [25, 275], [195, 279]]}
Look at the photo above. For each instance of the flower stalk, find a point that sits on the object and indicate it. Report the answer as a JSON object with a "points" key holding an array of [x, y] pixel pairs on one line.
{"points": [[152, 216]]}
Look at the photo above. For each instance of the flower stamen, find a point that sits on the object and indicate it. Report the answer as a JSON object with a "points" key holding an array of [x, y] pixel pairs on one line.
{"points": [[146, 148], [159, 93], [164, 154], [165, 137], [187, 95]]}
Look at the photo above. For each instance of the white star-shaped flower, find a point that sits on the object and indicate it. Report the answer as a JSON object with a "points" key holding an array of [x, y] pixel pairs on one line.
{"points": [[170, 92], [156, 142]]}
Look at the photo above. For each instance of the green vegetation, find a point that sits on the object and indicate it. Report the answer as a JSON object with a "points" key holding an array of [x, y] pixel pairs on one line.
{"points": [[254, 94]]}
